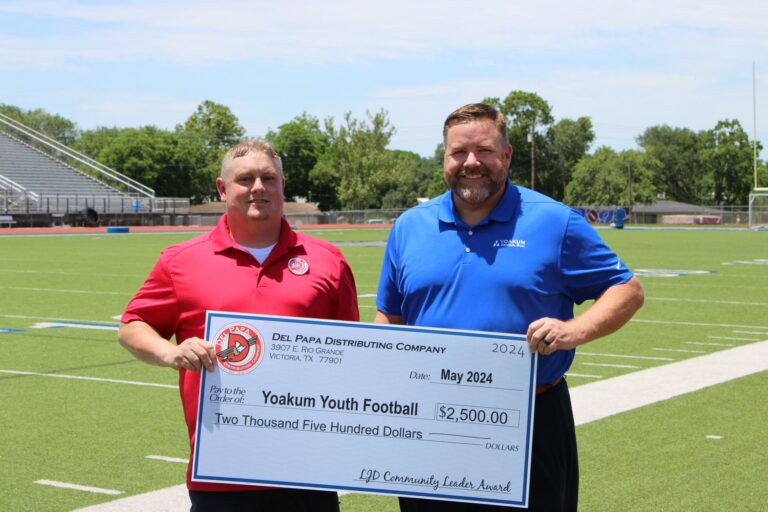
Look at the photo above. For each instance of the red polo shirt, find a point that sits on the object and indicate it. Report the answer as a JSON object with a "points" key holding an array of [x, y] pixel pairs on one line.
{"points": [[210, 272]]}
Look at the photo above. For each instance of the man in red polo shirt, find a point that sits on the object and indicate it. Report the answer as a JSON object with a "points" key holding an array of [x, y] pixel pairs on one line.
{"points": [[252, 262]]}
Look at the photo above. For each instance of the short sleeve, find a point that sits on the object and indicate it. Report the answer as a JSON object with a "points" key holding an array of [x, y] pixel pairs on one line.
{"points": [[155, 303], [588, 266], [389, 298]]}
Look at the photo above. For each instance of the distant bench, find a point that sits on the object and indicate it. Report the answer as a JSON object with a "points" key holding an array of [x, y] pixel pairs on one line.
{"points": [[7, 219]]}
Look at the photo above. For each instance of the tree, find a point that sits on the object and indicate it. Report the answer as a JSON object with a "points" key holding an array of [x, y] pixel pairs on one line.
{"points": [[52, 125], [437, 184], [603, 179], [413, 175], [681, 176], [300, 144], [528, 114], [92, 142], [153, 157], [568, 142], [216, 125], [358, 161], [213, 129], [728, 157]]}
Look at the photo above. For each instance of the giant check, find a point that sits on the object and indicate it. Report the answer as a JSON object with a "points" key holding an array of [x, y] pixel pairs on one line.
{"points": [[429, 413]]}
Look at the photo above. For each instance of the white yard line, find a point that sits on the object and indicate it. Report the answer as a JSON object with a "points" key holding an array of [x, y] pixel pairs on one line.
{"points": [[659, 349], [732, 338], [62, 290], [709, 301], [96, 379], [705, 344], [698, 324], [57, 325], [591, 402], [163, 458], [606, 365], [78, 487], [620, 356], [598, 400], [583, 376]]}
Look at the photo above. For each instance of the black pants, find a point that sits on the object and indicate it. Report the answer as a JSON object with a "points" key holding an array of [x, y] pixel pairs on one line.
{"points": [[554, 463], [273, 500]]}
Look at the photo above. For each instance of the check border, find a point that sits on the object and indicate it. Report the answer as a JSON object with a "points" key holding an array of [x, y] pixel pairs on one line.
{"points": [[199, 477]]}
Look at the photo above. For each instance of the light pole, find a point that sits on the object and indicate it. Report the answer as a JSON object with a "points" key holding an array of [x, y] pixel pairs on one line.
{"points": [[532, 141]]}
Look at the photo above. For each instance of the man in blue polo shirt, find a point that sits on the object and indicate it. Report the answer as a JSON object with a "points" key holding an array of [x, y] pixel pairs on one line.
{"points": [[488, 255]]}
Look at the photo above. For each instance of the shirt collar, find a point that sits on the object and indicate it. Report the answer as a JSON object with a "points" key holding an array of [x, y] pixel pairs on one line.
{"points": [[222, 240], [504, 210]]}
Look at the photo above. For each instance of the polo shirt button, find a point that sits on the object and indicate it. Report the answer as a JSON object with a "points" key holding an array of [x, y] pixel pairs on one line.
{"points": [[470, 232], [467, 249]]}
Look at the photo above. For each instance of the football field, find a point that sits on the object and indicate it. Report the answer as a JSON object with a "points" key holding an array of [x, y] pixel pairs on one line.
{"points": [[84, 423]]}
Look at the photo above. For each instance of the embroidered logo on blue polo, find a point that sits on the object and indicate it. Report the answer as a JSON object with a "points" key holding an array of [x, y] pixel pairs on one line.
{"points": [[510, 243]]}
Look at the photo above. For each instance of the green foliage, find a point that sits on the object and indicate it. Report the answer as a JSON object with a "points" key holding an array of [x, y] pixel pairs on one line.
{"points": [[351, 166], [681, 175], [216, 125], [567, 142], [52, 125], [300, 144], [728, 156], [604, 179], [93, 142], [149, 155], [544, 152], [362, 172]]}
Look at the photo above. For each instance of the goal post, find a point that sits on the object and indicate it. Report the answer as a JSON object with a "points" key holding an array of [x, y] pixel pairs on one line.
{"points": [[758, 208]]}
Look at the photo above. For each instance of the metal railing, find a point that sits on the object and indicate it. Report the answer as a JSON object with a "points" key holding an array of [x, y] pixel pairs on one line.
{"points": [[75, 203], [74, 159]]}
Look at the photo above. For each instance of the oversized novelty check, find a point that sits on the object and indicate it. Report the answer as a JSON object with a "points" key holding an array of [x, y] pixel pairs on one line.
{"points": [[429, 413]]}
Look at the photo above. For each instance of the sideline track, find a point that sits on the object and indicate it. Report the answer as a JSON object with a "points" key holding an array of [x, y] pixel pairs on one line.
{"points": [[591, 402]]}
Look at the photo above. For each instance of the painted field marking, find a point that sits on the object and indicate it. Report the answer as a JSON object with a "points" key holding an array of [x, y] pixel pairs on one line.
{"points": [[710, 301], [73, 325], [714, 437], [682, 350], [631, 367], [583, 375], [732, 338], [620, 356], [705, 344], [367, 296], [167, 459], [78, 487], [67, 273], [93, 379], [62, 290], [28, 317], [591, 402], [751, 332], [601, 399], [696, 324]]}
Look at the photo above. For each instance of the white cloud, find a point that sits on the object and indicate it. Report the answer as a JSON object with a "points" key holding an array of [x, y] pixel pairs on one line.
{"points": [[350, 31]]}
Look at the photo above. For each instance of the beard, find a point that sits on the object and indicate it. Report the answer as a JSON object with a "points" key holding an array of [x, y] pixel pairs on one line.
{"points": [[477, 193]]}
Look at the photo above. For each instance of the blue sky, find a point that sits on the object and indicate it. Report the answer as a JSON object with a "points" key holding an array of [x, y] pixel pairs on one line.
{"points": [[627, 65]]}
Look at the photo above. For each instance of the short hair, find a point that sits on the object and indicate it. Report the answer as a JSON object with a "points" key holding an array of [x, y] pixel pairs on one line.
{"points": [[475, 112], [248, 147]]}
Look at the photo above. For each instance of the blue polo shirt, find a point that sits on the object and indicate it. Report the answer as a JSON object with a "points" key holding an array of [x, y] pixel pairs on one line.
{"points": [[532, 257]]}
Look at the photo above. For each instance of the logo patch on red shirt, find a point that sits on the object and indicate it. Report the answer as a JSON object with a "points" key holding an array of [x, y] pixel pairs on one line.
{"points": [[298, 266]]}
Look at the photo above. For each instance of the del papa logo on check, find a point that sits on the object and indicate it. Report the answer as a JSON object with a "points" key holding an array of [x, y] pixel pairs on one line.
{"points": [[368, 408]]}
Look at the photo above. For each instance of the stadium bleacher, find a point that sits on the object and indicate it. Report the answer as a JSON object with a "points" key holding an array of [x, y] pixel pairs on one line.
{"points": [[43, 175]]}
